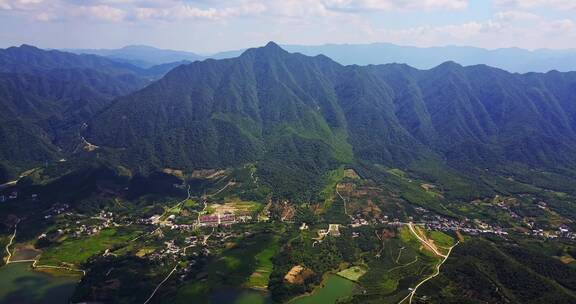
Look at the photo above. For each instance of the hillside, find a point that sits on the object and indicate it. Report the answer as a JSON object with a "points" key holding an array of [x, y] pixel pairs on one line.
{"points": [[297, 115], [47, 95]]}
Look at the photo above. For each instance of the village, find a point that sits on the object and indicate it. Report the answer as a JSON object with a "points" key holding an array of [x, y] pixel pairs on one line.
{"points": [[208, 230], [195, 232]]}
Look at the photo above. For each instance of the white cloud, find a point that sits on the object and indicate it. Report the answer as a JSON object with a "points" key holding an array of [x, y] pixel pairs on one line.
{"points": [[180, 11], [243, 23], [99, 12], [363, 5], [174, 10], [504, 29], [529, 4], [18, 4], [5, 5]]}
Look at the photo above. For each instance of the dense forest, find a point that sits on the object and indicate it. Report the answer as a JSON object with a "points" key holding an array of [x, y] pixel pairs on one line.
{"points": [[293, 113]]}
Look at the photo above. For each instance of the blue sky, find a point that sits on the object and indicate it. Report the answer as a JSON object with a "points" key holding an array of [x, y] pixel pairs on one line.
{"points": [[208, 26]]}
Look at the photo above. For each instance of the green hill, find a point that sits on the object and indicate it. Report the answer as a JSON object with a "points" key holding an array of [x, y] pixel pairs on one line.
{"points": [[298, 115]]}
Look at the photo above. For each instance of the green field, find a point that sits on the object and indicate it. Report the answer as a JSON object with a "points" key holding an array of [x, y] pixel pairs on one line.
{"points": [[328, 193], [352, 273], [401, 265], [264, 266], [78, 250], [441, 239]]}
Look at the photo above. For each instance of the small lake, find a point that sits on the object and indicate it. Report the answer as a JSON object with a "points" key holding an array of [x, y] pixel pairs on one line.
{"points": [[331, 290], [19, 284], [241, 296]]}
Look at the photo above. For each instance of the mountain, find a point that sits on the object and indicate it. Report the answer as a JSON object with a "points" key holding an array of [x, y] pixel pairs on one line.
{"points": [[299, 116], [141, 55], [510, 59], [514, 60], [47, 95]]}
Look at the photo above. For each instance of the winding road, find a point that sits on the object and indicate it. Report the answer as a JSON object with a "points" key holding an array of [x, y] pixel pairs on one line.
{"points": [[445, 257], [425, 242], [10, 242], [345, 205], [160, 285]]}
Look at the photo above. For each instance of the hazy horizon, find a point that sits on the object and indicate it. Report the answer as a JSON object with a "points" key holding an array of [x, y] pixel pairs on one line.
{"points": [[206, 26], [216, 52]]}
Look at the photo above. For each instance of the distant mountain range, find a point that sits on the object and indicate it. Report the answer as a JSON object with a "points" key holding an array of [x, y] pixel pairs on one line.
{"points": [[142, 56], [509, 59]]}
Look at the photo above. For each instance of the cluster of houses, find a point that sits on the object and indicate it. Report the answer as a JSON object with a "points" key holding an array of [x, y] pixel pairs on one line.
{"points": [[213, 220], [7, 197], [358, 220], [333, 230], [173, 250], [222, 219], [55, 210], [563, 232], [476, 227], [204, 220]]}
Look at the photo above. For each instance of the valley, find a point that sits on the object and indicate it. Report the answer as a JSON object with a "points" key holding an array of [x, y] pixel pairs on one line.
{"points": [[207, 236]]}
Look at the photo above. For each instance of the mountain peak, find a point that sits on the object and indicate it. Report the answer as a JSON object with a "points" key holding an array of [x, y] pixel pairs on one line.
{"points": [[272, 45], [28, 47], [271, 48], [138, 47], [448, 66]]}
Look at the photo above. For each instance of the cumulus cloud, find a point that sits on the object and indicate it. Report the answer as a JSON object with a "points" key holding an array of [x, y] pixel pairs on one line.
{"points": [[166, 10], [131, 10], [504, 29], [185, 11], [516, 23]]}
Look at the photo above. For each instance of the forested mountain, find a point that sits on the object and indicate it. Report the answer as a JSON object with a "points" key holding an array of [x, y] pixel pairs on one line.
{"points": [[299, 116], [45, 97]]}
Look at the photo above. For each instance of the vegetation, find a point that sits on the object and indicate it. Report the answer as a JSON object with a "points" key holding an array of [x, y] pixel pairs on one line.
{"points": [[117, 186], [78, 251], [264, 266], [353, 273], [479, 266]]}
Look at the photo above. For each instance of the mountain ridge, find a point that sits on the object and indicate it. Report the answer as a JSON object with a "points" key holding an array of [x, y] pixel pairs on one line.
{"points": [[48, 95], [270, 100]]}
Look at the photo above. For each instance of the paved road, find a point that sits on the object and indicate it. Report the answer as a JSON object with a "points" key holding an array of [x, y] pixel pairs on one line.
{"points": [[161, 283]]}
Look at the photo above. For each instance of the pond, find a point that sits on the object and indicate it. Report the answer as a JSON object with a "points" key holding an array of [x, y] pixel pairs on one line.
{"points": [[332, 289], [20, 284], [240, 296]]}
